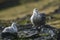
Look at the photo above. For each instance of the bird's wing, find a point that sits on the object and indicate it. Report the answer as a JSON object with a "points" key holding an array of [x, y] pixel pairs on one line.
{"points": [[6, 29]]}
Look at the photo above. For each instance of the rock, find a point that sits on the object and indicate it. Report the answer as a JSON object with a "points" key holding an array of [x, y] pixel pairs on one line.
{"points": [[46, 33]]}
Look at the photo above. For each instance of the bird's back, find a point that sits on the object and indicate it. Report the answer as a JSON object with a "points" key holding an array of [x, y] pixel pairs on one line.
{"points": [[9, 29]]}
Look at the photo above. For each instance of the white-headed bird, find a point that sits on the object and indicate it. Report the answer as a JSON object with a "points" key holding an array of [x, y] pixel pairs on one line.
{"points": [[38, 19], [10, 31]]}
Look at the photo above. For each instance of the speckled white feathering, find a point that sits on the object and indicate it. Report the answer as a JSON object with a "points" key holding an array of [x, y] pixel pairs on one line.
{"points": [[33, 15], [11, 29], [37, 17]]}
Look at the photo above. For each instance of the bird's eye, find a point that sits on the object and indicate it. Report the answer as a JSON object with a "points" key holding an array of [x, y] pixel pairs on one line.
{"points": [[36, 9]]}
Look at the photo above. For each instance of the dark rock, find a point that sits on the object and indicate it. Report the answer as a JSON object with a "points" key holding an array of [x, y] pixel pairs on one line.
{"points": [[46, 33], [58, 35], [9, 35]]}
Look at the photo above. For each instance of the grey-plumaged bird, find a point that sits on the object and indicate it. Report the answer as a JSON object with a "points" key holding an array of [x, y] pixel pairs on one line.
{"points": [[10, 31], [11, 28], [37, 19]]}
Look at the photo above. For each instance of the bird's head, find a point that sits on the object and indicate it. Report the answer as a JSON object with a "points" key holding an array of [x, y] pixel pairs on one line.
{"points": [[14, 24], [35, 11]]}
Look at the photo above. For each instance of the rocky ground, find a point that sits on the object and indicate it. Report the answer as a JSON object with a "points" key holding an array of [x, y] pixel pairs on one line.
{"points": [[31, 33], [27, 32]]}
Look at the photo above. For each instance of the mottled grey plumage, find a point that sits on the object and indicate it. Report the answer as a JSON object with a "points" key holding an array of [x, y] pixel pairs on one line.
{"points": [[37, 19], [11, 28], [10, 31]]}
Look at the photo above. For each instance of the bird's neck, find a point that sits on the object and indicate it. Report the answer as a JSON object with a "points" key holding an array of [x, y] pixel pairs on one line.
{"points": [[13, 26], [35, 13]]}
